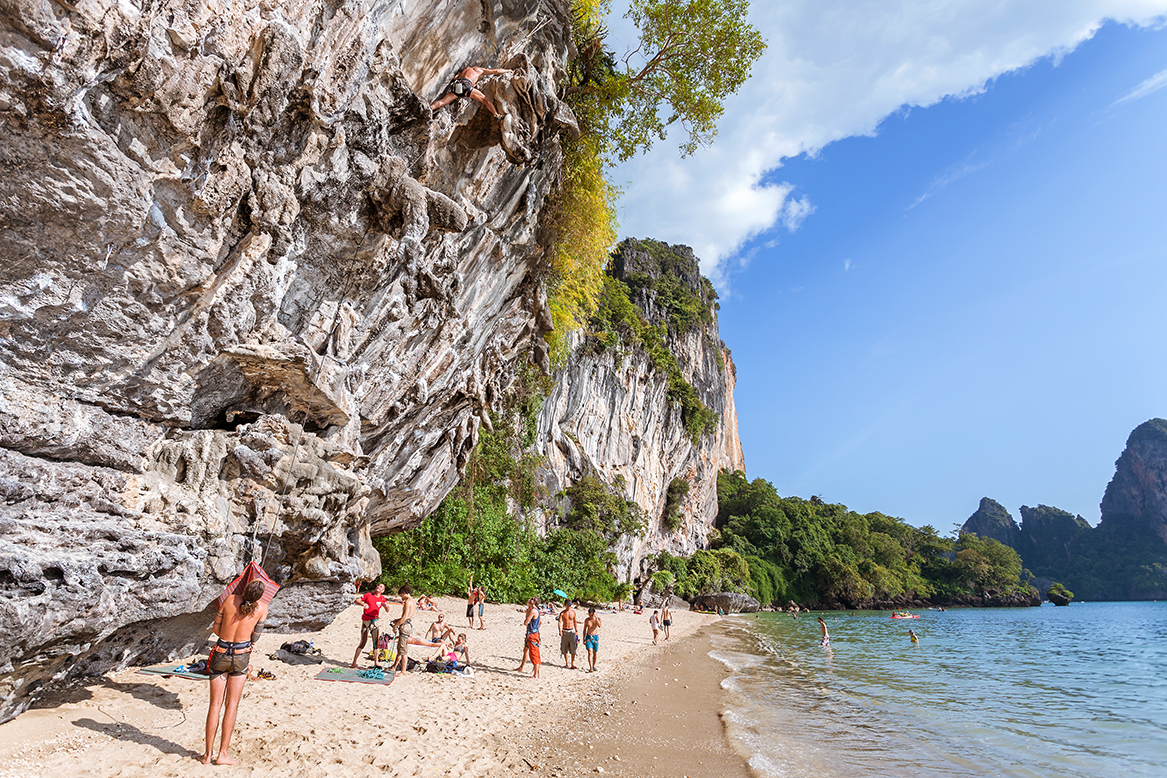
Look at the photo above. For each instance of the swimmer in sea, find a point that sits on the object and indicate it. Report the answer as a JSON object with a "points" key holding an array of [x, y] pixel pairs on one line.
{"points": [[826, 637], [912, 632]]}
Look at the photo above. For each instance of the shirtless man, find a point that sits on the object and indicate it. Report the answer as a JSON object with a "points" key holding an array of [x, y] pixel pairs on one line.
{"points": [[591, 632], [471, 600], [373, 602], [826, 638], [666, 620], [404, 626], [568, 638], [238, 624], [531, 621], [439, 630], [463, 87]]}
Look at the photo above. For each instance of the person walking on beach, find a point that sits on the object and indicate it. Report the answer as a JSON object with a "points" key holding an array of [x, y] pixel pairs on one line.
{"points": [[463, 87], [531, 621], [666, 619], [654, 621], [826, 638], [568, 637], [591, 630], [404, 626], [373, 601], [238, 625]]}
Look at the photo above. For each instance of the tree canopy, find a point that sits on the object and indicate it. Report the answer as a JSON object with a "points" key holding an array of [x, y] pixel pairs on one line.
{"points": [[692, 55]]}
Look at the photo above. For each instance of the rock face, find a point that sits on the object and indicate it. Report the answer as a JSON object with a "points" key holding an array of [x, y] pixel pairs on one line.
{"points": [[992, 520], [610, 415], [255, 300]]}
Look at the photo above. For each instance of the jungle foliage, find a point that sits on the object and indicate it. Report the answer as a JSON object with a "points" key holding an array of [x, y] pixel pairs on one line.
{"points": [[810, 551]]}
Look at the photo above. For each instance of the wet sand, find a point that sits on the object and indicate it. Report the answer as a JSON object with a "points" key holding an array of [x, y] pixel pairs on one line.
{"points": [[660, 716]]}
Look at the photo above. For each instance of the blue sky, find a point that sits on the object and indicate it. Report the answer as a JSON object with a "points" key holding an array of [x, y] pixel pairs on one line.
{"points": [[953, 289]]}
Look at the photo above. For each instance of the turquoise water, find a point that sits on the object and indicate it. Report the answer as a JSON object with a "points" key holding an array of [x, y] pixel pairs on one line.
{"points": [[1066, 692]]}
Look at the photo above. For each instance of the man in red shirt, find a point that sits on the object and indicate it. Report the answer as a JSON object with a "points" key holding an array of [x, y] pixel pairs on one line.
{"points": [[373, 601]]}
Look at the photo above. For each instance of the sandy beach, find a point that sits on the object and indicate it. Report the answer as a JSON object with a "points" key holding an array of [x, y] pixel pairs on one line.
{"points": [[497, 721]]}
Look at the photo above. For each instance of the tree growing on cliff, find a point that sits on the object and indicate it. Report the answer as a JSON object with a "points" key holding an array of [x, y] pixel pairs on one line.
{"points": [[691, 56]]}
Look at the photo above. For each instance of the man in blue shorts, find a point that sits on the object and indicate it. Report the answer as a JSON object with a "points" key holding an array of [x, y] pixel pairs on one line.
{"points": [[591, 632]]}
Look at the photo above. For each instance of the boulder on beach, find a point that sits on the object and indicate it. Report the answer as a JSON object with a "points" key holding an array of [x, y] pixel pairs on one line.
{"points": [[727, 602]]}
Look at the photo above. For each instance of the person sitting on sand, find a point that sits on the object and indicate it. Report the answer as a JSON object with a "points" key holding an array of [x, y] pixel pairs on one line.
{"points": [[591, 631], [826, 638], [373, 601], [439, 629], [462, 87], [424, 603], [404, 626], [568, 637], [238, 625], [531, 621], [461, 649]]}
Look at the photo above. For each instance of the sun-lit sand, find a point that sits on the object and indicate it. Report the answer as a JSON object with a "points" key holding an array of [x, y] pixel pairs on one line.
{"points": [[129, 724]]}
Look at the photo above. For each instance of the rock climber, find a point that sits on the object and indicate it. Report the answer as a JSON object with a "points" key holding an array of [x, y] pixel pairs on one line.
{"points": [[463, 87]]}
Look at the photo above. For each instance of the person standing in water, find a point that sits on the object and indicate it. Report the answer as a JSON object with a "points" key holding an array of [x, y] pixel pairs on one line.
{"points": [[826, 638], [591, 631], [238, 625], [912, 632]]}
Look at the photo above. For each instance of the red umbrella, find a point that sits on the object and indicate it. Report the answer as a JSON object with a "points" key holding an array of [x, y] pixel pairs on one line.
{"points": [[253, 572]]}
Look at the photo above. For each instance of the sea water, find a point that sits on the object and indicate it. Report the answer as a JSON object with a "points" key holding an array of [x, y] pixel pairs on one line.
{"points": [[1069, 692]]}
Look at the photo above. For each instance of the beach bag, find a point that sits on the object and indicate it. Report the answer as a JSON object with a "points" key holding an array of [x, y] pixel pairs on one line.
{"points": [[386, 649], [437, 666]]}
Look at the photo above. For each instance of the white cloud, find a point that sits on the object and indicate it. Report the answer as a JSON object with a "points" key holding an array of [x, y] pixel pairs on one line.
{"points": [[846, 265], [1152, 84], [834, 69]]}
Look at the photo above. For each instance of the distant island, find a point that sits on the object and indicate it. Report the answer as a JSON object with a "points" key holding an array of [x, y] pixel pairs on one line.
{"points": [[1124, 557]]}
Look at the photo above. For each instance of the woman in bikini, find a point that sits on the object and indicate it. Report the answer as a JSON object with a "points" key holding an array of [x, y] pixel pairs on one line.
{"points": [[238, 625]]}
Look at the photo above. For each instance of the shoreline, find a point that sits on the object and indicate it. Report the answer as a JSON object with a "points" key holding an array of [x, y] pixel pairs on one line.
{"points": [[127, 723], [659, 715]]}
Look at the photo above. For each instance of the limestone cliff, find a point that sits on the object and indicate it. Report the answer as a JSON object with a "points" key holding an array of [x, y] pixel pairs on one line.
{"points": [[255, 298], [611, 415]]}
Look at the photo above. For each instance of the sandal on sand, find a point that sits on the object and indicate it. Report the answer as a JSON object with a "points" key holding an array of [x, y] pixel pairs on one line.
{"points": [[266, 675]]}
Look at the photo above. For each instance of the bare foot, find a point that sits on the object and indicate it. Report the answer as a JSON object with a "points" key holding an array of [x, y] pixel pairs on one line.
{"points": [[224, 759], [353, 666], [205, 758]]}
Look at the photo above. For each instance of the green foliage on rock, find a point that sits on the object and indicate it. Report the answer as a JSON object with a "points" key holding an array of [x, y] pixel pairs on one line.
{"points": [[1059, 595], [674, 496], [598, 507], [473, 532], [618, 320], [810, 551]]}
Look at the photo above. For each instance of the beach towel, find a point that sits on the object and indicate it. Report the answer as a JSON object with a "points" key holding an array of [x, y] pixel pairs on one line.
{"points": [[250, 573], [351, 675], [180, 670]]}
